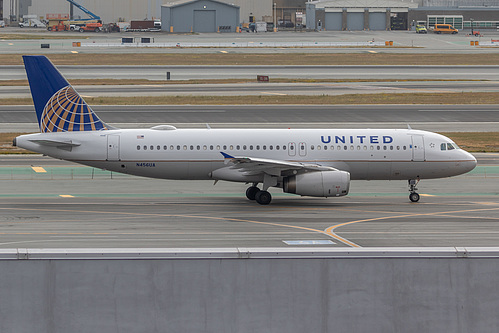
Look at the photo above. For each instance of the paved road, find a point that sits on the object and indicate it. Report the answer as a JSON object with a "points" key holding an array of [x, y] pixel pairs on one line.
{"points": [[475, 72], [278, 89], [404, 42], [71, 207], [429, 117]]}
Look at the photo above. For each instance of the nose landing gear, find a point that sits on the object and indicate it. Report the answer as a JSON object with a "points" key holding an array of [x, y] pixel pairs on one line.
{"points": [[413, 196]]}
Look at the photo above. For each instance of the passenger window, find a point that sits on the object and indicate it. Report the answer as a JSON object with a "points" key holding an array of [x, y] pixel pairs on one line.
{"points": [[225, 147], [244, 147], [345, 147], [145, 147], [152, 147], [271, 147], [325, 147], [284, 148], [404, 147], [378, 147], [384, 147], [332, 147], [391, 147], [158, 148], [231, 147], [178, 147], [358, 147], [277, 147], [251, 147], [198, 147], [264, 147], [257, 147], [171, 147], [138, 147], [165, 147], [311, 148], [185, 147], [211, 147], [191, 147], [218, 147]]}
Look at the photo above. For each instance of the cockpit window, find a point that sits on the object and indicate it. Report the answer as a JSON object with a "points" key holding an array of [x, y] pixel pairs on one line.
{"points": [[448, 146]]}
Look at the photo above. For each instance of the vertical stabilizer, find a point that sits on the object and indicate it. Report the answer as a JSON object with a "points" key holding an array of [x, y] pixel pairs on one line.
{"points": [[59, 108]]}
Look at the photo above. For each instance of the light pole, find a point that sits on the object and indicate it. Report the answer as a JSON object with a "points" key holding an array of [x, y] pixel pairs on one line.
{"points": [[275, 17]]}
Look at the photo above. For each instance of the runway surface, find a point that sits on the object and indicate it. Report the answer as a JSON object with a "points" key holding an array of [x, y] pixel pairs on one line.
{"points": [[425, 117], [71, 206], [469, 72], [265, 89]]}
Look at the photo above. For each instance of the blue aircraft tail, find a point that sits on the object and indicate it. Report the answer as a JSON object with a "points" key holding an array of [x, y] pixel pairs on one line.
{"points": [[58, 106]]}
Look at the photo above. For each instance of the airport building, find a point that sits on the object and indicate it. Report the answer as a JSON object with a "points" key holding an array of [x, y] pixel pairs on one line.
{"points": [[199, 16], [336, 15]]}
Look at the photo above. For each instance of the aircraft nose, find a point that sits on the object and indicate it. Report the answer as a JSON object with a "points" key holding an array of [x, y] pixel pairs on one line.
{"points": [[469, 162]]}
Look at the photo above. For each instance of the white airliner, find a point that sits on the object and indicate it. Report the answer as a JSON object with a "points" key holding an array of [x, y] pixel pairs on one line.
{"points": [[307, 162]]}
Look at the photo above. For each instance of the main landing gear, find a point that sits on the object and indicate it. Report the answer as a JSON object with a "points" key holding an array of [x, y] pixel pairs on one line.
{"points": [[262, 197], [413, 196]]}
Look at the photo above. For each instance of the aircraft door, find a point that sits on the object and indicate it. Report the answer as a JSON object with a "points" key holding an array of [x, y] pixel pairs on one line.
{"points": [[418, 153], [291, 149], [113, 147], [302, 148]]}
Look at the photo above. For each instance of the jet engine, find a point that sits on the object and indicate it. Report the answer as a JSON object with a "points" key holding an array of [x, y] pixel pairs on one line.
{"points": [[318, 184]]}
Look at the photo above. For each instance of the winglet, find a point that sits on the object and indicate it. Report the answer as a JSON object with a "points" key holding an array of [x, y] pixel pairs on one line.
{"points": [[59, 108], [226, 156]]}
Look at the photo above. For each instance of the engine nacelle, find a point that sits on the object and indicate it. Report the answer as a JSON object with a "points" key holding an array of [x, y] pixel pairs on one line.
{"points": [[318, 184]]}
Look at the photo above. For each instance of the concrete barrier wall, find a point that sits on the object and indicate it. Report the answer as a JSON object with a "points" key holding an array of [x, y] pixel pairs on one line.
{"points": [[249, 290]]}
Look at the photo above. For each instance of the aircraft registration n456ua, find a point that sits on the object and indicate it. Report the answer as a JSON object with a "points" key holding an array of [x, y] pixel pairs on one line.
{"points": [[307, 162]]}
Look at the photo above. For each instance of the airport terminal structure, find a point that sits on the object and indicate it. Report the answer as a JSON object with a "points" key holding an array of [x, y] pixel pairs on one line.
{"points": [[228, 15]]}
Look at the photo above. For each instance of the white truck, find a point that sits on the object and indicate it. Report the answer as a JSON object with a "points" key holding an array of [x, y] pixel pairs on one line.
{"points": [[31, 21]]}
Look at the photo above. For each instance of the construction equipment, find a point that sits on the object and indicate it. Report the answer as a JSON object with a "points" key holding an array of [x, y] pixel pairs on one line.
{"points": [[86, 11], [93, 23]]}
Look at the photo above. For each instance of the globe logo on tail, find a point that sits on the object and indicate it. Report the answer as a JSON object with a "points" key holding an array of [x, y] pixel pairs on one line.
{"points": [[66, 111]]}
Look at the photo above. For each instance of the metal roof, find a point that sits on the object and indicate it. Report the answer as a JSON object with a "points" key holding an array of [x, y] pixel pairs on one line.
{"points": [[365, 4], [179, 3]]}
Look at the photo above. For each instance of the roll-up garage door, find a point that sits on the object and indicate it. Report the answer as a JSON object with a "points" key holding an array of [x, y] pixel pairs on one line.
{"points": [[204, 21], [377, 21], [355, 21], [333, 21]]}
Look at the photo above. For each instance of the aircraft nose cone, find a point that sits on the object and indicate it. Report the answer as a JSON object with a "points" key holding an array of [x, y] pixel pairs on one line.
{"points": [[469, 163]]}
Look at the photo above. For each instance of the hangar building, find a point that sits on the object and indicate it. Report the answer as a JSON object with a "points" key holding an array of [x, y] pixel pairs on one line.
{"points": [[357, 14], [199, 16]]}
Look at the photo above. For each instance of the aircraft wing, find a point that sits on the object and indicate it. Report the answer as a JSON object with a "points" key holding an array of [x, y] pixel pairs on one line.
{"points": [[255, 166]]}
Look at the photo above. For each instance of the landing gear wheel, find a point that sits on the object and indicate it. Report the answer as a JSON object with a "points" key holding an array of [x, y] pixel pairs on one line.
{"points": [[414, 197], [251, 192], [263, 197]]}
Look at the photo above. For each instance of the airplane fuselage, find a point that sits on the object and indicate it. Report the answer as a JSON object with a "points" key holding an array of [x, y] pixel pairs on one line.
{"points": [[170, 153]]}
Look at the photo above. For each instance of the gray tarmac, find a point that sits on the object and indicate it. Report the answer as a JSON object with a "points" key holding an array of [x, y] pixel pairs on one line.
{"points": [[71, 206], [329, 72], [440, 118], [265, 89], [403, 42]]}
